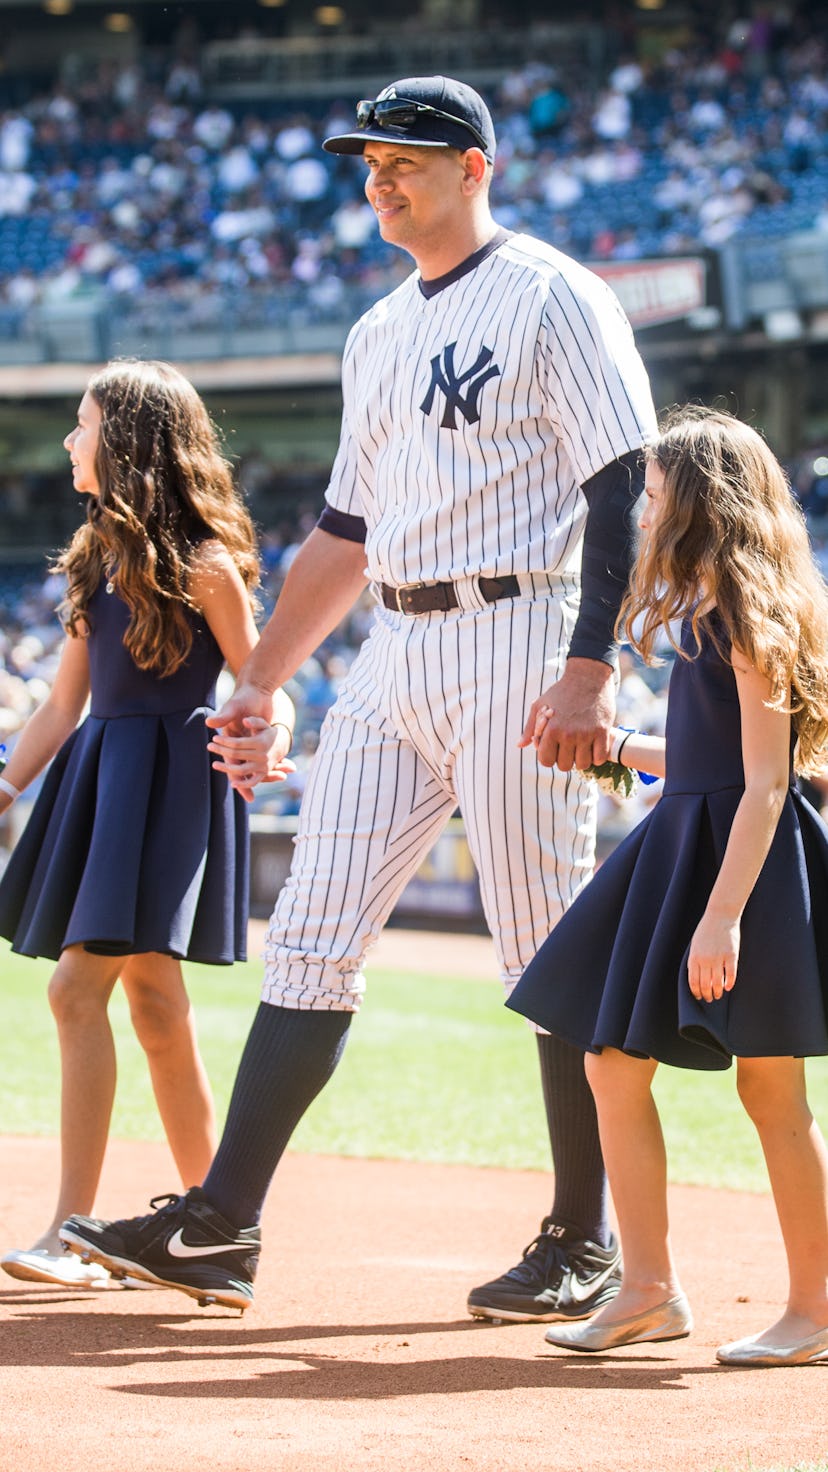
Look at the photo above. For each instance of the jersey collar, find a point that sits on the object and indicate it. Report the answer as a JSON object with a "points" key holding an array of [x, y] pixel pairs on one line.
{"points": [[439, 283]]}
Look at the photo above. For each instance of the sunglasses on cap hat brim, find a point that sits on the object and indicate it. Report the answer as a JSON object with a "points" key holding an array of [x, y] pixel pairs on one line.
{"points": [[399, 115]]}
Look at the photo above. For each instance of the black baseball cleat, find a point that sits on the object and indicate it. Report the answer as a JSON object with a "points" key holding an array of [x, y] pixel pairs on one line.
{"points": [[183, 1243], [560, 1277]]}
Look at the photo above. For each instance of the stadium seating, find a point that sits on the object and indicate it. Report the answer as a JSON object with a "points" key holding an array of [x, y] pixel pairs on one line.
{"points": [[120, 198]]}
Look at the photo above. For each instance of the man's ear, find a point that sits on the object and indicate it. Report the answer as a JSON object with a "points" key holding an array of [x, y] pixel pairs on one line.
{"points": [[475, 166]]}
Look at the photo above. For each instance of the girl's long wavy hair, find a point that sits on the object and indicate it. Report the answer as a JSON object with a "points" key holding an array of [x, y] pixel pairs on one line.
{"points": [[165, 486], [729, 535]]}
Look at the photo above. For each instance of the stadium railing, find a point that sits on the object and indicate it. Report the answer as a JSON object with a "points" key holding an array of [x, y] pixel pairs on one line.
{"points": [[759, 279]]}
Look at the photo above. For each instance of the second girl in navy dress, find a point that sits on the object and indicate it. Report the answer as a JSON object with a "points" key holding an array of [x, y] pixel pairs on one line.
{"points": [[704, 936]]}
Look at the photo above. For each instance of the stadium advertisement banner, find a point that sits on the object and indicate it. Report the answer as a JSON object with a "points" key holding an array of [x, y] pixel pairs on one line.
{"points": [[652, 292]]}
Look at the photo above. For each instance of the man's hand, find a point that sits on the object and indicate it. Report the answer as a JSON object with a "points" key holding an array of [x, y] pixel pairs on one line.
{"points": [[246, 700], [573, 730]]}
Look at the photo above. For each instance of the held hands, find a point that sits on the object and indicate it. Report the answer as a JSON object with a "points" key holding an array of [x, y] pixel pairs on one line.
{"points": [[714, 957], [259, 755], [246, 700], [569, 723]]}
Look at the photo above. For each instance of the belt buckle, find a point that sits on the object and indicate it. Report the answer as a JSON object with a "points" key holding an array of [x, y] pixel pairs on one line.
{"points": [[401, 596]]}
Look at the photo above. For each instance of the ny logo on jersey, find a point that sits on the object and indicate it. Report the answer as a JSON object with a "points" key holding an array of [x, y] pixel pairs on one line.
{"points": [[444, 377]]}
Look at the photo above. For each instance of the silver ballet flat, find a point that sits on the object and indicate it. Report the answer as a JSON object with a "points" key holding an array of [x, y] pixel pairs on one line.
{"points": [[669, 1320], [61, 1269], [808, 1351]]}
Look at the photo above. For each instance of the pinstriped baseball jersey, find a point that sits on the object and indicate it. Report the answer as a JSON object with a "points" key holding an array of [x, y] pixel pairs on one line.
{"points": [[474, 408]]}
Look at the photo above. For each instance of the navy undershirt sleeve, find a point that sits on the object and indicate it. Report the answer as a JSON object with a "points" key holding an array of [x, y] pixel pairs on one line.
{"points": [[609, 539], [342, 524]]}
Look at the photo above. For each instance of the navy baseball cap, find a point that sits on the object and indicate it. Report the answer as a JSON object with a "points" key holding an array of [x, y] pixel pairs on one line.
{"points": [[432, 112]]}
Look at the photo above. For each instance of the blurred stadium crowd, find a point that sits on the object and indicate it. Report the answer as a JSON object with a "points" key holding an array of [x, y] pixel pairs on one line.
{"points": [[130, 182]]}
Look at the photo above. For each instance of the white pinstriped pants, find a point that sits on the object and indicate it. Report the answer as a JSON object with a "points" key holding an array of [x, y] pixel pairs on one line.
{"points": [[428, 721]]}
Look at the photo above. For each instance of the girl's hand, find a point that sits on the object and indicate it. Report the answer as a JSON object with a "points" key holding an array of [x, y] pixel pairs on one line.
{"points": [[258, 756], [543, 715], [714, 957]]}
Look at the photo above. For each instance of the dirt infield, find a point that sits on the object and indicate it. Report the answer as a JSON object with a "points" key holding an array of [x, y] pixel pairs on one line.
{"points": [[358, 1353]]}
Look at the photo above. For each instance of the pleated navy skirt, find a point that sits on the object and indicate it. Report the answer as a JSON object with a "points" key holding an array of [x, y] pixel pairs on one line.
{"points": [[134, 843]]}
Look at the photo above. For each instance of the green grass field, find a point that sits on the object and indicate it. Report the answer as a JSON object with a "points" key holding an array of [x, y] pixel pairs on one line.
{"points": [[435, 1069]]}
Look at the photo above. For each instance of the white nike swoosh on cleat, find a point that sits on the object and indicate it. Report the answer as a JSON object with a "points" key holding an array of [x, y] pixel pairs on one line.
{"points": [[580, 1291], [177, 1247]]}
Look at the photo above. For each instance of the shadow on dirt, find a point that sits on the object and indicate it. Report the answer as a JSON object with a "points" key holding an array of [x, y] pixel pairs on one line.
{"points": [[271, 1364]]}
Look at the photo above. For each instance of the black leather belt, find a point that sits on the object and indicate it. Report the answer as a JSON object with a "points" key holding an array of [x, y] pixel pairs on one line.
{"points": [[440, 597]]}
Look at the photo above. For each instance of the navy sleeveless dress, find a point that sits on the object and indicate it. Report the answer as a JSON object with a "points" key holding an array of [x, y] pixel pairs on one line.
{"points": [[134, 842], [613, 973]]}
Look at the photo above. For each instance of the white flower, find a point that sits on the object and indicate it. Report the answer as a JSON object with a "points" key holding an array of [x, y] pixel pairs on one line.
{"points": [[614, 778]]}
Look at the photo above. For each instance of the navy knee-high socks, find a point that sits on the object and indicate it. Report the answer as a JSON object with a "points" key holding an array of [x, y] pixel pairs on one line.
{"points": [[580, 1181], [288, 1058]]}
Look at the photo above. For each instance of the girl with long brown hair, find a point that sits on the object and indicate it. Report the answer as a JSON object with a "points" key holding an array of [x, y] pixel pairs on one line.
{"points": [[704, 936], [135, 855]]}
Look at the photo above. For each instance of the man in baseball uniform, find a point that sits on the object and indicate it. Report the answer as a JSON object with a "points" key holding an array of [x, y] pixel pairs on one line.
{"points": [[494, 411]]}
